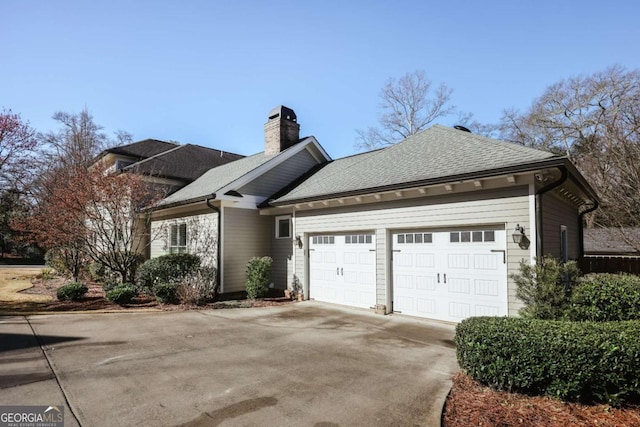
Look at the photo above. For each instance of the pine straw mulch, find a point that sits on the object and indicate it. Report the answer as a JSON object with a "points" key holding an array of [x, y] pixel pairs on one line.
{"points": [[95, 300], [472, 404]]}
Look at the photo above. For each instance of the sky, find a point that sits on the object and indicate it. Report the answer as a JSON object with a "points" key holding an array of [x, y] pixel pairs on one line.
{"points": [[209, 72]]}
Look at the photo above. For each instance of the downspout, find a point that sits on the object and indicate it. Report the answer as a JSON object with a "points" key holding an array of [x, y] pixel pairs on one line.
{"points": [[539, 240], [218, 246], [581, 225]]}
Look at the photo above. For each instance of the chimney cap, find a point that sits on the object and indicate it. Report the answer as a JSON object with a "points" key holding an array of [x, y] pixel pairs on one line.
{"points": [[282, 112]]}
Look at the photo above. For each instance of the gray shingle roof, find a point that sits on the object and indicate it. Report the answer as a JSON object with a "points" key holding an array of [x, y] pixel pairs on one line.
{"points": [[142, 149], [183, 162], [609, 241], [437, 152], [215, 179]]}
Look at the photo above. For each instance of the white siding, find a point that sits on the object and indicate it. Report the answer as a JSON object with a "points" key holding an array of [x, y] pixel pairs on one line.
{"points": [[282, 254], [202, 236], [275, 179], [503, 208], [245, 235]]}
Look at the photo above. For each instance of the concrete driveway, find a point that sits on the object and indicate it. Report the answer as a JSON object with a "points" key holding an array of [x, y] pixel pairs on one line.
{"points": [[305, 364]]}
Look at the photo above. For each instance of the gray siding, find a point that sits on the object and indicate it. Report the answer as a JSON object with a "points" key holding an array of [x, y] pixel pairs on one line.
{"points": [[282, 254], [245, 235], [557, 212], [503, 208], [278, 177]]}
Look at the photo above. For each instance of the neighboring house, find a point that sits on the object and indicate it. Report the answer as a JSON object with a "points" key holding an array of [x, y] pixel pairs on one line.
{"points": [[610, 242], [432, 226], [168, 163]]}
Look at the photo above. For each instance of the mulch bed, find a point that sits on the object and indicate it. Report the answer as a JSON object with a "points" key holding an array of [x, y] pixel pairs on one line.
{"points": [[95, 300], [472, 404]]}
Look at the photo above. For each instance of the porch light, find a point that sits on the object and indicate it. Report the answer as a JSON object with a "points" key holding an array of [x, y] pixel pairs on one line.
{"points": [[298, 241], [518, 235]]}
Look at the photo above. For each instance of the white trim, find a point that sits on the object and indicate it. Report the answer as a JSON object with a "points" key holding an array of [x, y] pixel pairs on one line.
{"points": [[564, 245], [271, 163], [533, 226], [221, 245], [277, 227]]}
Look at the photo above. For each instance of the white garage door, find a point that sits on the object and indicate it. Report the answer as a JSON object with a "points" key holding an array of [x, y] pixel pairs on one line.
{"points": [[342, 269], [450, 275]]}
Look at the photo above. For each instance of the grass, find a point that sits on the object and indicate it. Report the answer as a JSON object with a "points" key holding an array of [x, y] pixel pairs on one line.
{"points": [[15, 280]]}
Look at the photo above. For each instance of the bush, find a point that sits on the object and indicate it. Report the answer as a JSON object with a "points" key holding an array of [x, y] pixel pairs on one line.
{"points": [[198, 287], [606, 297], [545, 287], [166, 293], [165, 269], [71, 291], [122, 293], [258, 276], [575, 361]]}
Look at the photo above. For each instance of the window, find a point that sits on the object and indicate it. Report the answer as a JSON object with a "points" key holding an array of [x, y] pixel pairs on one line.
{"points": [[283, 227], [472, 236], [415, 238], [323, 240], [178, 238], [564, 244], [121, 164]]}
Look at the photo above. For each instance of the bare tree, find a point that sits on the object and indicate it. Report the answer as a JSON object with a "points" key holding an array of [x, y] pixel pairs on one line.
{"points": [[409, 104], [17, 148], [595, 121]]}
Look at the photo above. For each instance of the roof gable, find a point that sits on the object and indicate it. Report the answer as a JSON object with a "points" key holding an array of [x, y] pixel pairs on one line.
{"points": [[435, 153], [241, 173]]}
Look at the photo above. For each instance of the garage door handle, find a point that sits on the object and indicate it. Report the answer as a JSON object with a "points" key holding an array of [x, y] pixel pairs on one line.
{"points": [[445, 277], [337, 271], [438, 277], [342, 271]]}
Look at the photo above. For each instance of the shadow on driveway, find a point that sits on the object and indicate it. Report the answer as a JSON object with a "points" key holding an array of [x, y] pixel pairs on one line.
{"points": [[10, 342]]}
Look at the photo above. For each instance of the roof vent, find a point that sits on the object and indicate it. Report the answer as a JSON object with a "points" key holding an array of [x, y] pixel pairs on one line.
{"points": [[462, 128]]}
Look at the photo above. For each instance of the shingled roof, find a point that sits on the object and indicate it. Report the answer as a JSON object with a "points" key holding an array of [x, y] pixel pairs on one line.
{"points": [[183, 162], [609, 241], [436, 154], [142, 149]]}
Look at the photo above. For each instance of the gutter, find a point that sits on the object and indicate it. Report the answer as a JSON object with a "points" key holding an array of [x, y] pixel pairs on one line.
{"points": [[546, 188], [218, 245], [547, 163], [581, 225]]}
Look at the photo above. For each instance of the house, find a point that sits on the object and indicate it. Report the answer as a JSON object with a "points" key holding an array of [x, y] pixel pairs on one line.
{"points": [[610, 242], [432, 227], [167, 163]]}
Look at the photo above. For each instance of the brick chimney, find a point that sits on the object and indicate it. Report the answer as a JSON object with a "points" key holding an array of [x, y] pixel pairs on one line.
{"points": [[281, 130]]}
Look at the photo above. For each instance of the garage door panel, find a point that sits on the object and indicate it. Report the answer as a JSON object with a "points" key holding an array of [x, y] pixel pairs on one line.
{"points": [[451, 275], [425, 283], [487, 288], [458, 261], [425, 260]]}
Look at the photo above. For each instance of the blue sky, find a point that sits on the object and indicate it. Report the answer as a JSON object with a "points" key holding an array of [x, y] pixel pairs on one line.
{"points": [[208, 72]]}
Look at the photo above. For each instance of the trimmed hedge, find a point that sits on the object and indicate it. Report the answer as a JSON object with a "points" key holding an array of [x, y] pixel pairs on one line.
{"points": [[71, 291], [574, 361], [122, 293], [258, 276], [606, 297], [165, 269], [166, 293]]}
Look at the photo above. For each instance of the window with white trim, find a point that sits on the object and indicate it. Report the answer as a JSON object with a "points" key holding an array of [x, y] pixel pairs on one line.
{"points": [[283, 227], [564, 244], [478, 236], [178, 238]]}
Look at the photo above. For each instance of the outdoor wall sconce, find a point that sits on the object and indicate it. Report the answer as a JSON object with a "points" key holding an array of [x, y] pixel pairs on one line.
{"points": [[520, 238], [298, 241], [518, 234]]}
